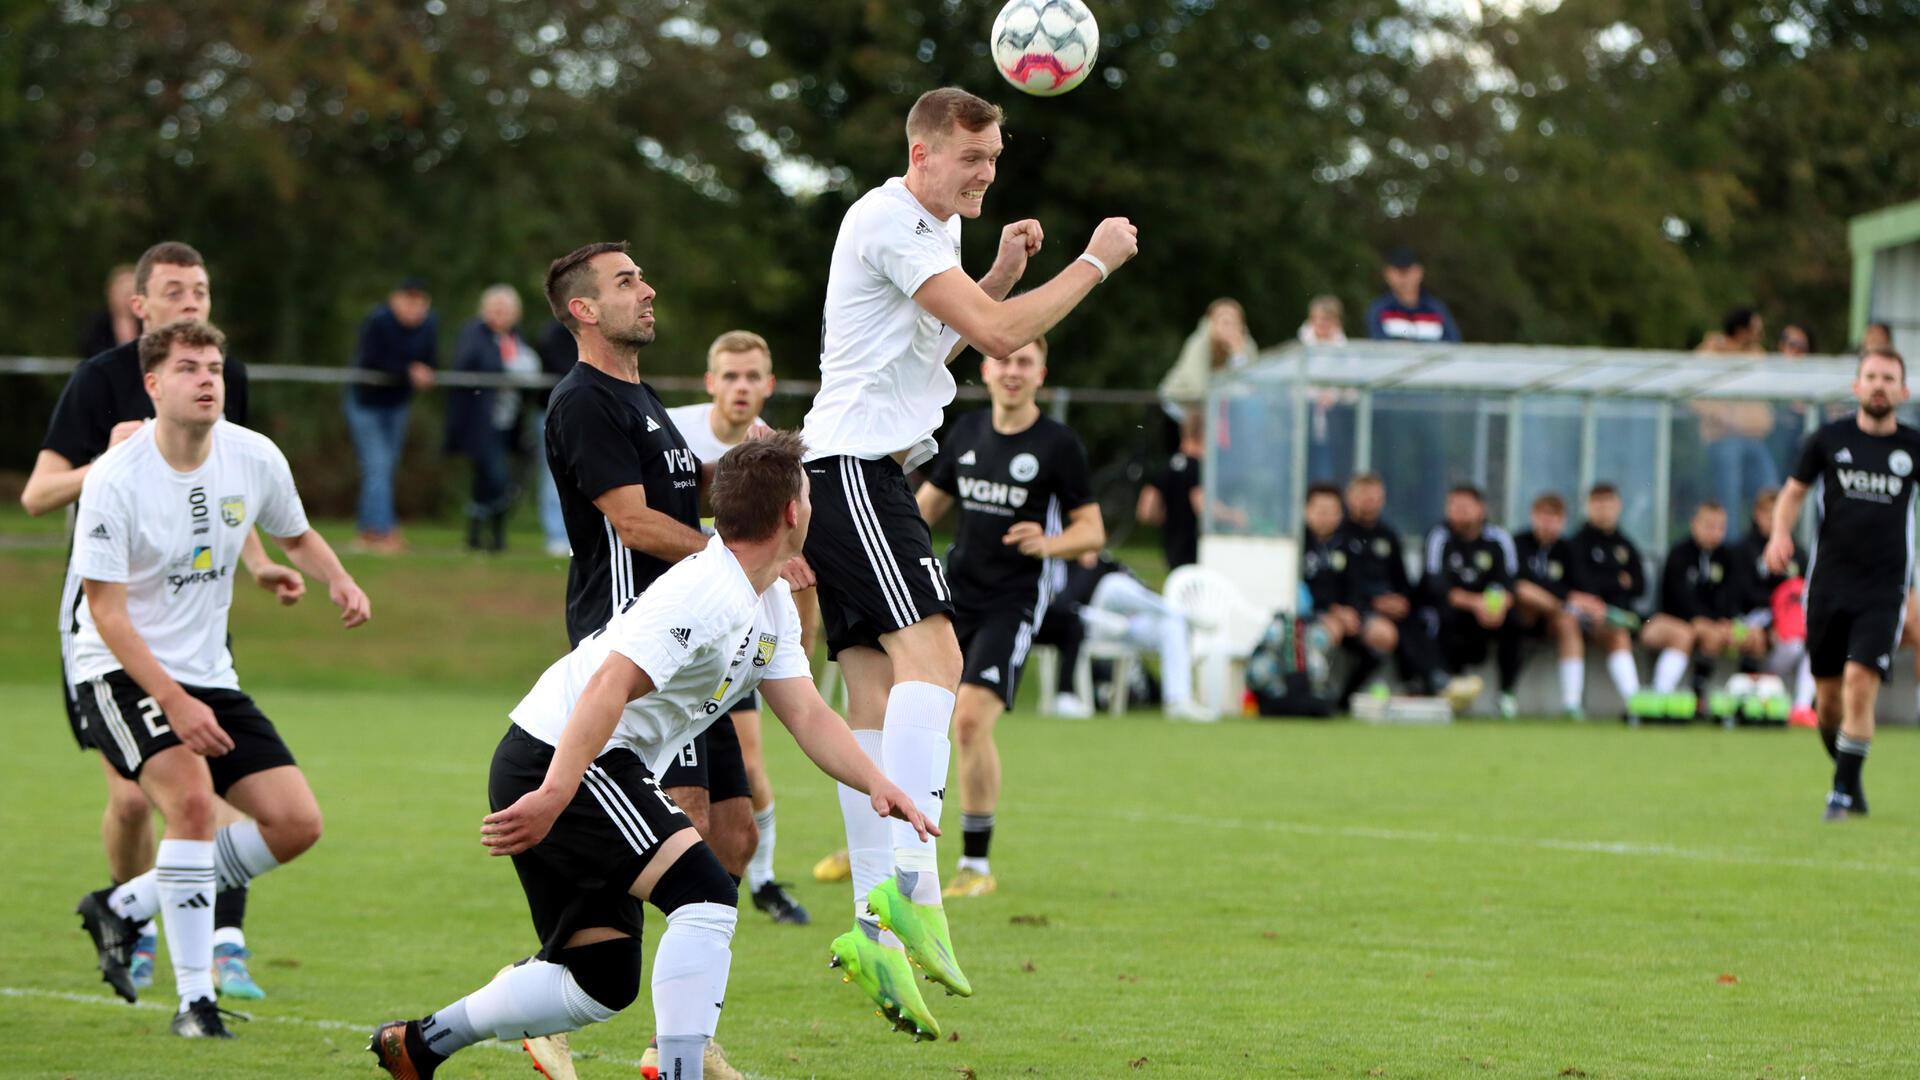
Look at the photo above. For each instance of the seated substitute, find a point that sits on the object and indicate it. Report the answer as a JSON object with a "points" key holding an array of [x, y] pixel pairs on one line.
{"points": [[591, 834], [1370, 637], [1471, 569], [1542, 594], [1378, 584], [1026, 502], [1700, 586], [1608, 581]]}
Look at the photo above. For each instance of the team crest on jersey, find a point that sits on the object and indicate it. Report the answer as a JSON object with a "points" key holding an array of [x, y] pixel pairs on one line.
{"points": [[1381, 548], [763, 655], [1620, 553], [1555, 571], [1900, 463], [1716, 573], [1024, 467], [233, 509], [1483, 559], [1338, 560]]}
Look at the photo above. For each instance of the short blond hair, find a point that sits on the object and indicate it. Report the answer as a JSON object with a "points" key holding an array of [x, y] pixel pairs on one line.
{"points": [[737, 341], [936, 112]]}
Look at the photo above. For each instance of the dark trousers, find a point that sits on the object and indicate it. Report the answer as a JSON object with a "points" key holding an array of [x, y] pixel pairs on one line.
{"points": [[1463, 642]]}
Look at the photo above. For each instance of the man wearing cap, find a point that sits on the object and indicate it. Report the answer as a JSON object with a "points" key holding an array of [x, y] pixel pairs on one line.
{"points": [[1406, 311], [397, 340]]}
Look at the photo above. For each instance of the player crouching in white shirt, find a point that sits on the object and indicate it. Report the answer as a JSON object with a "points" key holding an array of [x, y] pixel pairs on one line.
{"points": [[161, 522], [578, 807]]}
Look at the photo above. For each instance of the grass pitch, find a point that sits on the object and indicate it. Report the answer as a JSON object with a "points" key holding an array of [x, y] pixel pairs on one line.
{"points": [[1242, 899]]}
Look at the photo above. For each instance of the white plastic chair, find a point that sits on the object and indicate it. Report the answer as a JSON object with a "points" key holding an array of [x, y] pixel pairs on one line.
{"points": [[1124, 658], [1224, 627]]}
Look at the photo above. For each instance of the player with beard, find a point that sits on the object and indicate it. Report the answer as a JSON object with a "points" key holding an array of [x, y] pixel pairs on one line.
{"points": [[1861, 472]]}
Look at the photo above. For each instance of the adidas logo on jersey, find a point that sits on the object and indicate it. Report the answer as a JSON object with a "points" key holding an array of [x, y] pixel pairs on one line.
{"points": [[1844, 457], [921, 228], [100, 532], [652, 424], [966, 458], [991, 675], [682, 635]]}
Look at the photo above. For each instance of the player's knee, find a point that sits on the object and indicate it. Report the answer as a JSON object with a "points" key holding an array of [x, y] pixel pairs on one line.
{"points": [[606, 971], [127, 807], [191, 814], [696, 877], [1380, 635], [295, 833], [972, 727]]}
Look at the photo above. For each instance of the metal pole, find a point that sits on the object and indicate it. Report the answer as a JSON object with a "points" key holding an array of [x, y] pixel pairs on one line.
{"points": [[1516, 495], [1363, 432], [1482, 423], [1290, 516], [1586, 445], [1663, 475], [1061, 397]]}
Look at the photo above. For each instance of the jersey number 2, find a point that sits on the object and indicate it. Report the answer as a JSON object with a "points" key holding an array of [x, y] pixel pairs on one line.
{"points": [[150, 712], [938, 576]]}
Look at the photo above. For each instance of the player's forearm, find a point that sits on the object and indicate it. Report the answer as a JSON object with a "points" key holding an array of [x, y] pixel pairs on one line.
{"points": [[658, 535], [1077, 539], [253, 554], [1786, 509], [828, 743], [1025, 317], [591, 724], [51, 488], [1464, 600], [135, 657], [313, 556], [998, 282]]}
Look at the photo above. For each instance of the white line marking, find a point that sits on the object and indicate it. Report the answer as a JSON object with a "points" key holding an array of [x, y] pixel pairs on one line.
{"points": [[297, 1021], [1627, 848]]}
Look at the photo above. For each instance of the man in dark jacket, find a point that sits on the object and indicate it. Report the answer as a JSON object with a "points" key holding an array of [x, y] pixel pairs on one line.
{"points": [[398, 341], [483, 423], [1542, 592], [1699, 591], [1471, 571], [1378, 586]]}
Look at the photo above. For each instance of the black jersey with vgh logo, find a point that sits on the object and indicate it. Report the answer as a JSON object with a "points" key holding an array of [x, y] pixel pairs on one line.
{"points": [[1039, 474], [1863, 487]]}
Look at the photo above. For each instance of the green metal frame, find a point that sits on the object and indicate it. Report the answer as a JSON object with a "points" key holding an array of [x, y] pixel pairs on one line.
{"points": [[1867, 236]]}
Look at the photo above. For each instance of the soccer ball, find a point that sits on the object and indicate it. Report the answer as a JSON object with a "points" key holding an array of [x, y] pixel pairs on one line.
{"points": [[1045, 47]]}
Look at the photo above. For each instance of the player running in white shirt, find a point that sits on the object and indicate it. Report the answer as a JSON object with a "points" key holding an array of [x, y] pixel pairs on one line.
{"points": [[899, 308], [740, 379], [162, 519], [577, 806]]}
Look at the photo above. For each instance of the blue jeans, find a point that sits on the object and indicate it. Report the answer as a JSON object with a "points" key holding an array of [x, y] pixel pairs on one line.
{"points": [[379, 432], [552, 524], [1741, 466]]}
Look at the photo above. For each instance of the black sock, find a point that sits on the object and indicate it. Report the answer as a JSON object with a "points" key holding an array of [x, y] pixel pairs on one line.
{"points": [[1365, 663], [230, 907], [1829, 738], [1847, 763], [1702, 674], [976, 835]]}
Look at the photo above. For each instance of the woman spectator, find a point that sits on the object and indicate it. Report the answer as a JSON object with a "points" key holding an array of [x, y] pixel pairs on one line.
{"points": [[483, 425]]}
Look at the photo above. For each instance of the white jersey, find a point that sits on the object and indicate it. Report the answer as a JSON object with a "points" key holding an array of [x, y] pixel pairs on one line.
{"points": [[883, 358], [173, 539], [702, 636], [696, 427]]}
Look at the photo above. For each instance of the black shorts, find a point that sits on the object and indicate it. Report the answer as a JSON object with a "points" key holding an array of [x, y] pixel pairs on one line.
{"points": [[994, 644], [578, 877], [70, 700], [712, 761], [1844, 630], [126, 725], [871, 552]]}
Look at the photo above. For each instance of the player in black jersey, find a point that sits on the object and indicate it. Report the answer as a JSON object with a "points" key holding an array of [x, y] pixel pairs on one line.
{"points": [[1700, 598], [1861, 470], [1026, 503], [1609, 582], [630, 496], [1324, 571], [1380, 589], [104, 402], [1543, 595], [1471, 570]]}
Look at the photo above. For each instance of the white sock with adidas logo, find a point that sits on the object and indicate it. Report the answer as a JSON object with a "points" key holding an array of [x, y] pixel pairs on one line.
{"points": [[183, 870]]}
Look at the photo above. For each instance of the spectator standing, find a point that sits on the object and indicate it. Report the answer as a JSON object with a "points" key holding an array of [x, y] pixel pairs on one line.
{"points": [[1407, 311], [398, 340], [1171, 500], [1220, 343], [1328, 431], [1734, 433], [483, 424], [558, 353], [115, 324]]}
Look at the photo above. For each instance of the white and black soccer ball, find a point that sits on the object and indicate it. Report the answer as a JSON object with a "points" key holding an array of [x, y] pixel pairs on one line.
{"points": [[1045, 47]]}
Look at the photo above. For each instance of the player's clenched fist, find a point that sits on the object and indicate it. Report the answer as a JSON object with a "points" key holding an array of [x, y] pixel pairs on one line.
{"points": [[1114, 242]]}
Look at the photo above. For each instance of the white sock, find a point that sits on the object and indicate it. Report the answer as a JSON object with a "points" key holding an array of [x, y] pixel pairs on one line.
{"points": [[978, 866], [1803, 687], [526, 1001], [241, 854], [147, 928], [1176, 664], [1573, 681], [760, 867], [137, 899], [869, 839], [1669, 670], [1624, 673], [915, 756], [229, 935], [690, 974], [183, 870]]}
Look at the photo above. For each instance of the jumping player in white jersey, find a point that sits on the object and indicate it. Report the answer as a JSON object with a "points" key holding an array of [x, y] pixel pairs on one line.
{"points": [[162, 519], [899, 308], [1861, 470], [740, 379], [577, 806]]}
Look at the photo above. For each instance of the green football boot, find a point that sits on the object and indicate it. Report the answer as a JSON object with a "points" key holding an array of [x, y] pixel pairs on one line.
{"points": [[922, 929], [884, 975]]}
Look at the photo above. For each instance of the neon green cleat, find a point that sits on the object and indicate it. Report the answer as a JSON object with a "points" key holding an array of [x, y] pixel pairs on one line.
{"points": [[884, 975], [922, 929]]}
